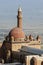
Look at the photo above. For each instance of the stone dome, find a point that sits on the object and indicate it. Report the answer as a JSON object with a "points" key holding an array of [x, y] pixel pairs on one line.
{"points": [[17, 33]]}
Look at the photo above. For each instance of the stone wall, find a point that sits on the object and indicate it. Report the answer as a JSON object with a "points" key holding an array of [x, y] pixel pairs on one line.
{"points": [[37, 60], [0, 44], [17, 45]]}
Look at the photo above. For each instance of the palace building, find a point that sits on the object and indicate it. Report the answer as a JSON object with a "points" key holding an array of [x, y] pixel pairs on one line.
{"points": [[18, 47]]}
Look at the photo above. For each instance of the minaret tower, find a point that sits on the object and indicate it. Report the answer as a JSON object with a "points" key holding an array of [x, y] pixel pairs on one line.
{"points": [[19, 18]]}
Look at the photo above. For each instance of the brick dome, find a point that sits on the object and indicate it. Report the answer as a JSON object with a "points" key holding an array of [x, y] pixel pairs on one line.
{"points": [[17, 33]]}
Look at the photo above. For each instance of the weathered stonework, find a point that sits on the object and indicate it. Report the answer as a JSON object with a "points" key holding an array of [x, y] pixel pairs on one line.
{"points": [[10, 48]]}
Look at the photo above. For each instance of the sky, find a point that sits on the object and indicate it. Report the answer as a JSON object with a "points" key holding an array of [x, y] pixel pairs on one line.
{"points": [[32, 11]]}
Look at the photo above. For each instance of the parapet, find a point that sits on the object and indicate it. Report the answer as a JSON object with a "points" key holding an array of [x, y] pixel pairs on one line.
{"points": [[30, 38]]}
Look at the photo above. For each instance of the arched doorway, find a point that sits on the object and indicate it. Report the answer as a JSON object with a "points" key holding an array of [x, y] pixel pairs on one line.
{"points": [[33, 61], [42, 63]]}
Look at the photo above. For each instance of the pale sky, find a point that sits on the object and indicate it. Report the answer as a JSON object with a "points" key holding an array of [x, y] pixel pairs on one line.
{"points": [[32, 11]]}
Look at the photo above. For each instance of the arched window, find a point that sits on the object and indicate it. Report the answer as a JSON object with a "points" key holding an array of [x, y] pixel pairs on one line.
{"points": [[42, 63], [33, 61]]}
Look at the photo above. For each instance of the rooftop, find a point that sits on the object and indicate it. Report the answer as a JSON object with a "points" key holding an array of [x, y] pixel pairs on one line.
{"points": [[31, 50]]}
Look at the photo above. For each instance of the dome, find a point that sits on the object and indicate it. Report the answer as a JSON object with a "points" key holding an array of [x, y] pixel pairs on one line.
{"points": [[17, 33]]}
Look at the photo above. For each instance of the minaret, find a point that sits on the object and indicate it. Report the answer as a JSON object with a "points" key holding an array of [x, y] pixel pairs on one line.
{"points": [[19, 18]]}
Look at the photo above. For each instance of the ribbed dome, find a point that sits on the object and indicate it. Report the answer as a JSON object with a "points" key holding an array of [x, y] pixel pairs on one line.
{"points": [[17, 33]]}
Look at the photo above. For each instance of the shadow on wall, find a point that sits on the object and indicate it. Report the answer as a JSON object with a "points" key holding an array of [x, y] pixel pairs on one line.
{"points": [[33, 61], [42, 63], [5, 52]]}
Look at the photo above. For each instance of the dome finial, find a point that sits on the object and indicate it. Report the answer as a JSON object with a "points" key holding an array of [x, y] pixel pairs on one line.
{"points": [[19, 9]]}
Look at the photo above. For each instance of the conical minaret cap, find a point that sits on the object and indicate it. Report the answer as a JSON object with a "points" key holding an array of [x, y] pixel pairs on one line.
{"points": [[19, 9]]}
